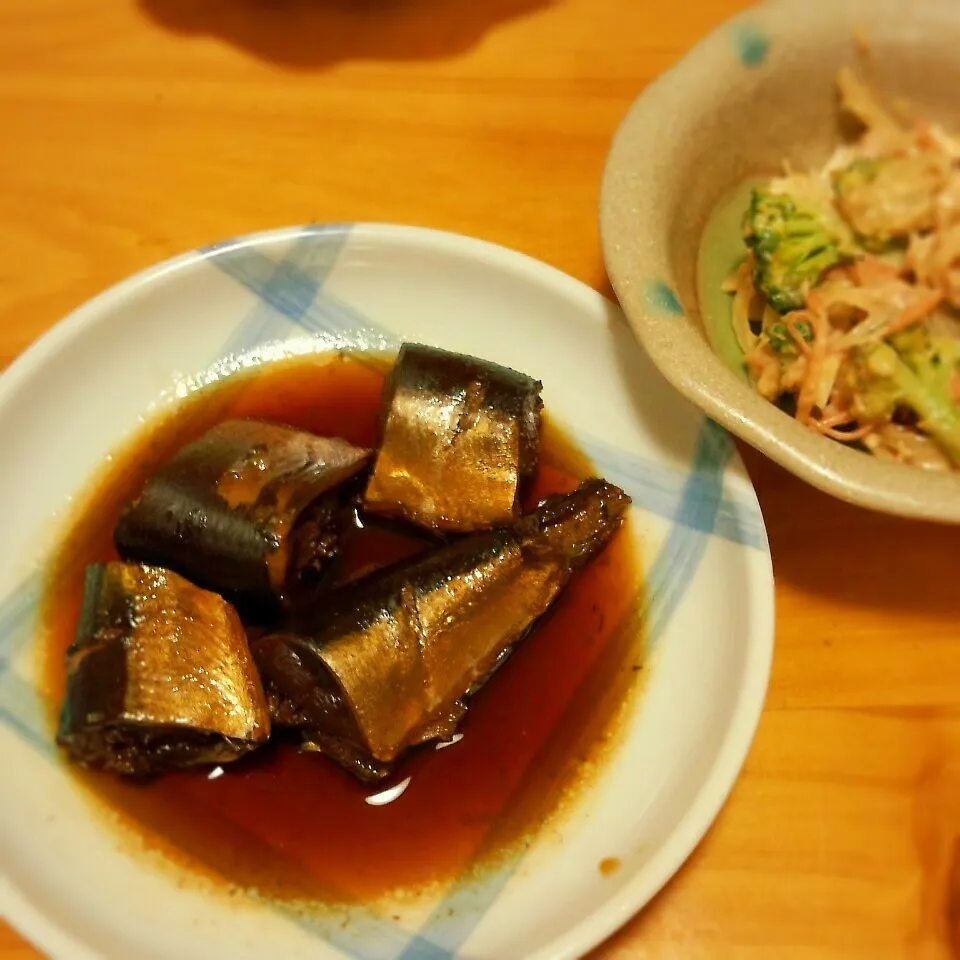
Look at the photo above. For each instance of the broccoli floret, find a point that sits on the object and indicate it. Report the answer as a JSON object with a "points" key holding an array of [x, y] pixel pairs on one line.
{"points": [[914, 370], [935, 359], [780, 339], [917, 341], [793, 241], [853, 187], [860, 173]]}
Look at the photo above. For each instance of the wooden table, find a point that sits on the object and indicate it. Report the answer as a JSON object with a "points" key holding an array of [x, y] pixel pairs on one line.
{"points": [[136, 129]]}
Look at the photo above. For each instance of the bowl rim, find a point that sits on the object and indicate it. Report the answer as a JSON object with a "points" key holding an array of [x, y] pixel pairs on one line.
{"points": [[844, 473]]}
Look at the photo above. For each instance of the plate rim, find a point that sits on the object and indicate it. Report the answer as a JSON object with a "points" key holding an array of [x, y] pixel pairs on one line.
{"points": [[45, 931]]}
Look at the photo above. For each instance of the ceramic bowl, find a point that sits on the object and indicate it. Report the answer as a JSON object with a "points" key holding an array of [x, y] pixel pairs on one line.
{"points": [[759, 90]]}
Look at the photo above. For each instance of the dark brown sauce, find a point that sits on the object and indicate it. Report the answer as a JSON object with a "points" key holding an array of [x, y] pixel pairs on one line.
{"points": [[295, 826]]}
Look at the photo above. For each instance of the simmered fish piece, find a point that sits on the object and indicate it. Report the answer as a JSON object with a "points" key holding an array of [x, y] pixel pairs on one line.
{"points": [[459, 437], [386, 663], [159, 676], [248, 510]]}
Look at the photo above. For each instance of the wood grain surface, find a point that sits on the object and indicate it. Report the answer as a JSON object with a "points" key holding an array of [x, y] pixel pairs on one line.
{"points": [[136, 129]]}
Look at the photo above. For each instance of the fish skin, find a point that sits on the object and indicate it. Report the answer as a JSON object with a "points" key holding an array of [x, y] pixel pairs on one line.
{"points": [[460, 435], [159, 676], [388, 662], [228, 510]]}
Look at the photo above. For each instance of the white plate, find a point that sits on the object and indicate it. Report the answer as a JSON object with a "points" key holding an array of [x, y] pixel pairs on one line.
{"points": [[73, 888]]}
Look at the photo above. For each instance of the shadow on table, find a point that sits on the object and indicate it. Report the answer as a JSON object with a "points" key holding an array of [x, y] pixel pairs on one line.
{"points": [[855, 556], [305, 34]]}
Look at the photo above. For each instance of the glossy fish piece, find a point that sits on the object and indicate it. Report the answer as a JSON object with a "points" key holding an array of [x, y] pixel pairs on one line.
{"points": [[159, 676], [386, 663], [248, 510], [460, 436]]}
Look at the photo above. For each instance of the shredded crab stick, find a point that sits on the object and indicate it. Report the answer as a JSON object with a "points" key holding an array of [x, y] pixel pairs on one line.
{"points": [[919, 310], [829, 427]]}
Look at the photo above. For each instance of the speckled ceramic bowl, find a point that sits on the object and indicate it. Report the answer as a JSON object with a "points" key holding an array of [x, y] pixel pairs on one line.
{"points": [[756, 91]]}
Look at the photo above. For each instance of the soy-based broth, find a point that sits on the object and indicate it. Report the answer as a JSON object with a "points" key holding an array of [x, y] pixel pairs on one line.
{"points": [[296, 826]]}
